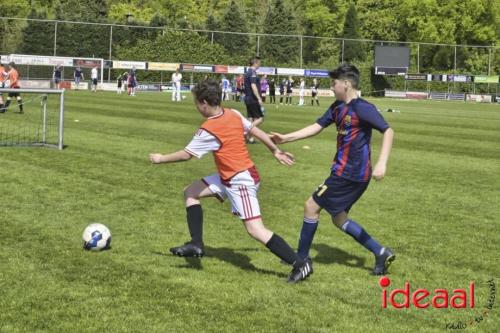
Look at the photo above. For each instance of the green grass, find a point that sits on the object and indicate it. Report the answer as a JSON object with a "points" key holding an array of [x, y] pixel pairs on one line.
{"points": [[437, 208]]}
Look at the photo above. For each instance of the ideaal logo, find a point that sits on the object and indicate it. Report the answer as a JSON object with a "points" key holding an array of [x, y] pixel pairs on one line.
{"points": [[440, 298], [460, 299]]}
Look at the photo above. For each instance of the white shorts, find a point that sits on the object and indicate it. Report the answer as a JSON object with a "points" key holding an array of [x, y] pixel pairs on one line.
{"points": [[242, 194]]}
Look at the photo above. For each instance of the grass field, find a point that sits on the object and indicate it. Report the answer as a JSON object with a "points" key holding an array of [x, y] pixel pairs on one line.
{"points": [[438, 208]]}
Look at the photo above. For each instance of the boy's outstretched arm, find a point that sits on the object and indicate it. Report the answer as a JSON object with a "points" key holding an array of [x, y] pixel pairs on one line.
{"points": [[381, 166], [283, 157], [303, 133], [178, 156]]}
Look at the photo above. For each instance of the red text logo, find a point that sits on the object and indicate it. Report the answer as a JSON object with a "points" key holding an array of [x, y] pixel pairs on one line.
{"points": [[422, 298]]}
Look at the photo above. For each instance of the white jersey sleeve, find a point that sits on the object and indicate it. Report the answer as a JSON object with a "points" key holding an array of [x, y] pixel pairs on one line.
{"points": [[202, 143], [247, 125]]}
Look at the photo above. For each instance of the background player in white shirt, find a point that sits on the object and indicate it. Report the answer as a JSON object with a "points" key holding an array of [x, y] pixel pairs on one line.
{"points": [[302, 91], [93, 76], [176, 86]]}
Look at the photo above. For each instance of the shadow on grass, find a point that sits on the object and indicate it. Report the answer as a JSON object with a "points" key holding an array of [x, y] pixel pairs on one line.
{"points": [[332, 255], [225, 254], [190, 262], [238, 259]]}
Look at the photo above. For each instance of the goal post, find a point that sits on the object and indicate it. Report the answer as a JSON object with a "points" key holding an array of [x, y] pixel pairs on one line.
{"points": [[34, 117]]}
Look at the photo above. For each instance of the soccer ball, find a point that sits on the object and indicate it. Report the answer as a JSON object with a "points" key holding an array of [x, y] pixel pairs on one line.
{"points": [[96, 237]]}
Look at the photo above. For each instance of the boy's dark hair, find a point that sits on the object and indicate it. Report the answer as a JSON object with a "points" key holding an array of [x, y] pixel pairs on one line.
{"points": [[254, 60], [346, 72], [208, 90]]}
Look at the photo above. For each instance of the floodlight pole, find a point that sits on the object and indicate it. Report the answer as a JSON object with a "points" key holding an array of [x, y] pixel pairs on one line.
{"points": [[418, 58], [455, 61], [258, 45], [110, 50], [301, 42], [55, 38], [489, 60], [342, 52]]}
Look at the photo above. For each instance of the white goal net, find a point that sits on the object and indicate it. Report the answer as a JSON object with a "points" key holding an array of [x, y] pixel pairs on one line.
{"points": [[32, 117]]}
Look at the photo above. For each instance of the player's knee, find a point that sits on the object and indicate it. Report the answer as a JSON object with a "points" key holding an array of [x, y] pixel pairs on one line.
{"points": [[252, 232], [190, 192], [311, 208], [256, 230]]}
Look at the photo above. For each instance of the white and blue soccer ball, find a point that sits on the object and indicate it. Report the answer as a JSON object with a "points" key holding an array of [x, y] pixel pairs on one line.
{"points": [[96, 237]]}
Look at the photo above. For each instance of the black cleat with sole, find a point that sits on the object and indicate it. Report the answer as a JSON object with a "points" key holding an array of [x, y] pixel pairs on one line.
{"points": [[301, 272], [383, 261], [188, 250]]}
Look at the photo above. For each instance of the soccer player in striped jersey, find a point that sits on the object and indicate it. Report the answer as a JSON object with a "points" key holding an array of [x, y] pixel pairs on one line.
{"points": [[351, 171], [223, 134]]}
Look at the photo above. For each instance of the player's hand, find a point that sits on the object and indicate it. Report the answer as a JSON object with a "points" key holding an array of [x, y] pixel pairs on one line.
{"points": [[284, 157], [277, 138], [155, 158], [379, 171]]}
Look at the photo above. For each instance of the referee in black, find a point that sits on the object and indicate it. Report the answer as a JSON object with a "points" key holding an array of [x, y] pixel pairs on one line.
{"points": [[253, 100]]}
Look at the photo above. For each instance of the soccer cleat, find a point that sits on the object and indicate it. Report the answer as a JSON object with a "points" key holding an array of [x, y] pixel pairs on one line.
{"points": [[301, 272], [383, 261], [188, 250]]}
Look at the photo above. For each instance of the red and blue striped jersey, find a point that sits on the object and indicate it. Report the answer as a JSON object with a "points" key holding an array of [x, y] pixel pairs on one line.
{"points": [[354, 122]]}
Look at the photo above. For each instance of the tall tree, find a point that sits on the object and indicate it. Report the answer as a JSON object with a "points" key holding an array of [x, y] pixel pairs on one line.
{"points": [[79, 40], [35, 32], [213, 25], [280, 50], [11, 30], [353, 50], [234, 21]]}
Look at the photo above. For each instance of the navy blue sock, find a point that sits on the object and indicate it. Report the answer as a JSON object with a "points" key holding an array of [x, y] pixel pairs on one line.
{"points": [[306, 236], [362, 237]]}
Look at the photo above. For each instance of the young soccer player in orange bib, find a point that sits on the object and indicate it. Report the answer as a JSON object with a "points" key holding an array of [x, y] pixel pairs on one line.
{"points": [[223, 134]]}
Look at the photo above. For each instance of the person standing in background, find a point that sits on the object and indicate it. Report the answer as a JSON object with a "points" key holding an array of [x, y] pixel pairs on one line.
{"points": [[282, 90], [57, 76], [302, 91], [263, 88], [314, 92], [93, 77], [132, 82], [78, 76], [272, 91], [176, 86], [288, 86]]}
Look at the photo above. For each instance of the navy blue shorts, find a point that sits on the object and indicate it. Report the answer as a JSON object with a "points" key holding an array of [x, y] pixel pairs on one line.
{"points": [[337, 194]]}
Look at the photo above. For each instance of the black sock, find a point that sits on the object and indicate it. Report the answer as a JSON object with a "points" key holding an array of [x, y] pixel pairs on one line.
{"points": [[281, 99], [7, 103], [280, 248], [20, 103], [195, 223], [317, 102]]}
